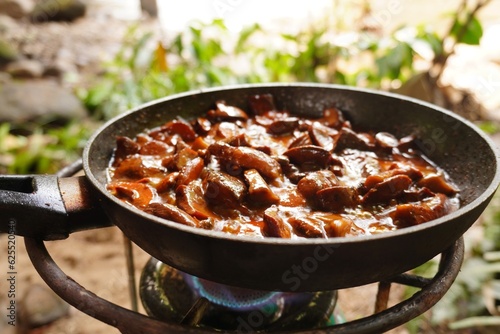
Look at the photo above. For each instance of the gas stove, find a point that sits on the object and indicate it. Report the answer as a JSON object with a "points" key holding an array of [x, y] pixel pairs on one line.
{"points": [[177, 302], [180, 303]]}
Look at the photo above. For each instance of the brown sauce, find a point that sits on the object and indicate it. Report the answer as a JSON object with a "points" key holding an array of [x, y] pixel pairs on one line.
{"points": [[267, 173]]}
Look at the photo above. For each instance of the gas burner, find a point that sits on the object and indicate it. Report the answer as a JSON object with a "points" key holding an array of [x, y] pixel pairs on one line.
{"points": [[169, 294]]}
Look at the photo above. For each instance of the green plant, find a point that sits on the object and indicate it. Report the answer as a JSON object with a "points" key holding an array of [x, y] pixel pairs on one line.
{"points": [[144, 69], [207, 55], [43, 151]]}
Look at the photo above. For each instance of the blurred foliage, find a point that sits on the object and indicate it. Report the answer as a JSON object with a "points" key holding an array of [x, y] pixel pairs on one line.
{"points": [[206, 55], [472, 303], [45, 150]]}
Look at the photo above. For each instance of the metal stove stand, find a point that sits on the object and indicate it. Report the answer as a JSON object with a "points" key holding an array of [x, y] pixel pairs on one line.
{"points": [[132, 322]]}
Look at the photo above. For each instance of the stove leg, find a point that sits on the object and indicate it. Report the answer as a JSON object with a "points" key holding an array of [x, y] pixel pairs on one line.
{"points": [[382, 301], [132, 288]]}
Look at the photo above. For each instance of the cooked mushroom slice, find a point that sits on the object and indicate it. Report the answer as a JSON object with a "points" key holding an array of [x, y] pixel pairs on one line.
{"points": [[323, 136], [142, 139], [387, 190], [313, 182], [350, 139], [155, 147], [173, 213], [333, 118], [413, 214], [372, 180], [283, 126], [291, 171], [309, 157], [406, 143], [437, 184], [167, 183], [239, 140], [275, 225], [409, 171], [386, 140], [337, 199], [190, 199], [412, 172], [134, 169], [261, 104], [339, 226], [175, 127], [135, 193], [223, 189], [248, 158], [226, 130], [259, 192], [201, 125], [199, 144], [182, 158], [307, 226], [224, 112], [302, 140], [190, 171], [124, 147], [416, 195]]}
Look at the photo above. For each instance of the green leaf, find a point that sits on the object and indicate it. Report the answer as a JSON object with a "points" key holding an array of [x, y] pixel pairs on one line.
{"points": [[489, 127], [245, 35], [432, 39], [219, 23], [98, 94], [468, 33], [289, 37], [4, 132], [391, 64]]}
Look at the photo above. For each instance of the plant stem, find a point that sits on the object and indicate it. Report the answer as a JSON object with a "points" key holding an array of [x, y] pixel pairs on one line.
{"points": [[470, 16], [475, 322]]}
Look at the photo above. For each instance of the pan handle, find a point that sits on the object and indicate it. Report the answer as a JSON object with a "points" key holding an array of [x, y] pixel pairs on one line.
{"points": [[48, 207]]}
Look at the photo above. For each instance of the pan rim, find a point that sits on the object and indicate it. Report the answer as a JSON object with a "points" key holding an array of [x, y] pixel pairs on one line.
{"points": [[484, 196]]}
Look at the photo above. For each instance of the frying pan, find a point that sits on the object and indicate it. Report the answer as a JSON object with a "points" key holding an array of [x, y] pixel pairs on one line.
{"points": [[48, 207]]}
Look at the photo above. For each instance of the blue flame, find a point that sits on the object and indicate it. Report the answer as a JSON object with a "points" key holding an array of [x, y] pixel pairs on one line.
{"points": [[232, 297]]}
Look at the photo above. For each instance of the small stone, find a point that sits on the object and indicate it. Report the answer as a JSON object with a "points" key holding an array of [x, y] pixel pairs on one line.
{"points": [[7, 23], [4, 78], [34, 99], [25, 69], [64, 62], [58, 10], [60, 68], [41, 306], [150, 7], [7, 53], [489, 43], [53, 71], [16, 8]]}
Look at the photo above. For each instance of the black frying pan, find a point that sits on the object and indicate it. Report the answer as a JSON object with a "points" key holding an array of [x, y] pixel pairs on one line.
{"points": [[51, 208]]}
